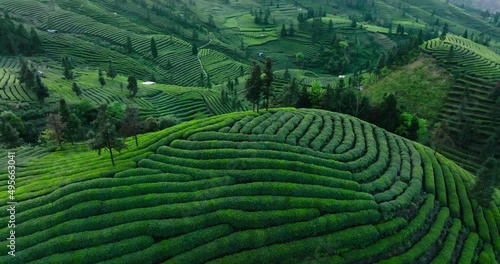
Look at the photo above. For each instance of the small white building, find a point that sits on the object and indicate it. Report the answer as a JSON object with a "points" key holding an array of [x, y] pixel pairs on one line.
{"points": [[52, 30], [148, 83], [341, 76]]}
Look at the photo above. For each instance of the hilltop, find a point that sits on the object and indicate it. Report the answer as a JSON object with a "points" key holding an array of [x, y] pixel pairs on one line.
{"points": [[346, 191]]}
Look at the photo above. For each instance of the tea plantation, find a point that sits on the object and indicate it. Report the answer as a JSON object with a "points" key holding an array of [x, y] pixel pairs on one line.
{"points": [[280, 186]]}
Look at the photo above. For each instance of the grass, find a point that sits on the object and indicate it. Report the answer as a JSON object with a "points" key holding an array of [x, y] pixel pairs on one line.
{"points": [[421, 87]]}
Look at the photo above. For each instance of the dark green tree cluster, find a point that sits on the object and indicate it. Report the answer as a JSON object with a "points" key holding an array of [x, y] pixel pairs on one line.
{"points": [[104, 134], [11, 129], [254, 87], [67, 65], [132, 85], [488, 180], [16, 40], [261, 17], [101, 79], [268, 80], [111, 72], [30, 76]]}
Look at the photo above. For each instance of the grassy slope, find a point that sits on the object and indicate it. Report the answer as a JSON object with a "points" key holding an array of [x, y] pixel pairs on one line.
{"points": [[68, 199], [421, 87]]}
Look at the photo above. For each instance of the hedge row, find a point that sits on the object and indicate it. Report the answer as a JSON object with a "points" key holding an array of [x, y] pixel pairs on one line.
{"points": [[262, 126], [173, 246], [490, 220], [404, 199], [395, 190], [269, 175], [484, 231], [387, 179], [256, 238], [294, 137], [338, 135], [312, 132], [352, 237], [288, 127], [384, 245], [428, 170], [438, 176], [240, 123], [230, 153], [444, 255], [360, 157], [469, 248], [487, 256], [76, 205], [326, 133], [211, 140], [378, 167], [453, 202], [276, 125], [99, 253], [249, 163], [391, 227], [467, 212], [349, 139], [46, 202], [247, 127], [425, 243], [359, 149]]}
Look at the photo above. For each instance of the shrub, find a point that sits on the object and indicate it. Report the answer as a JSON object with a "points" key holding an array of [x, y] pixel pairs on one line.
{"points": [[168, 121], [469, 248], [444, 255]]}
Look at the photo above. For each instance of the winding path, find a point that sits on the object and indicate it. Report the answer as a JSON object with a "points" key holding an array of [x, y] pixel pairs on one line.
{"points": [[198, 57]]}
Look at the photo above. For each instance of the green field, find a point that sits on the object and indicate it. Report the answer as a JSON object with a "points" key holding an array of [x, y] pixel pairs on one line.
{"points": [[346, 192]]}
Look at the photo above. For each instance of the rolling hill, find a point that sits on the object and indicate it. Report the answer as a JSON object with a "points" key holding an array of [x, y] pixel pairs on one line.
{"points": [[280, 186]]}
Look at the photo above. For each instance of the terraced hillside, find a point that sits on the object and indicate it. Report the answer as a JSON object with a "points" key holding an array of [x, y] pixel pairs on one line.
{"points": [[282, 186], [477, 71]]}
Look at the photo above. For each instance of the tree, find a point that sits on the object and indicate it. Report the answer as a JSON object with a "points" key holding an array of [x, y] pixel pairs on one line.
{"points": [[72, 131], [40, 89], [268, 79], [129, 45], [130, 126], [286, 74], [354, 24], [111, 73], [488, 180], [67, 67], [132, 85], [11, 127], [242, 71], [291, 30], [35, 42], [152, 124], [254, 87], [283, 31], [102, 81], [440, 136], [389, 113], [303, 101], [63, 111], [154, 51], [444, 32], [330, 26], [465, 34], [194, 49], [104, 134], [299, 57], [56, 126], [292, 93], [76, 89]]}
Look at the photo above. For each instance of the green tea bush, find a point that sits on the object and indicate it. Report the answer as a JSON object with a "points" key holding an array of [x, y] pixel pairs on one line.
{"points": [[444, 255], [469, 248]]}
